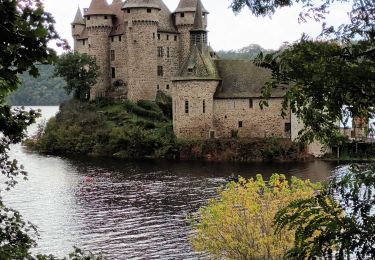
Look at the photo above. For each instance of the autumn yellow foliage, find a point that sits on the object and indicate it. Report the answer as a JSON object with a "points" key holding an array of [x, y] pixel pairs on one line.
{"points": [[239, 224]]}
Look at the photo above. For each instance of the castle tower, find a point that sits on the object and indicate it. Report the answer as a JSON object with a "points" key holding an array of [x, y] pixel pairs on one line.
{"points": [[184, 17], [78, 25], [99, 25], [141, 19], [193, 91]]}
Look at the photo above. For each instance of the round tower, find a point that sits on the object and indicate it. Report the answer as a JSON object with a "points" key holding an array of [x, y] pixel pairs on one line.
{"points": [[141, 18], [184, 17], [99, 25], [78, 25]]}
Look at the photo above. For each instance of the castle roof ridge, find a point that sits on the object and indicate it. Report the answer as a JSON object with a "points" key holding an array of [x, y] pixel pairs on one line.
{"points": [[142, 4]]}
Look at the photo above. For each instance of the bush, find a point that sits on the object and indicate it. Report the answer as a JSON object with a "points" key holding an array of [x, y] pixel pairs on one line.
{"points": [[240, 223]]}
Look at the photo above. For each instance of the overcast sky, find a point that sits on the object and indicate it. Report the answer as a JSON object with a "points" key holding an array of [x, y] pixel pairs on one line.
{"points": [[227, 31]]}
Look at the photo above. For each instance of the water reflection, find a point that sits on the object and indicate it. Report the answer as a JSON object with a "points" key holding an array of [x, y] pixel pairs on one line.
{"points": [[126, 209]]}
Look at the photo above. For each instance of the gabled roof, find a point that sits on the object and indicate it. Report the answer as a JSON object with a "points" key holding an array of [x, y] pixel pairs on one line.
{"points": [[165, 19], [99, 7], [142, 4], [242, 79], [199, 65], [84, 35], [78, 19], [189, 6]]}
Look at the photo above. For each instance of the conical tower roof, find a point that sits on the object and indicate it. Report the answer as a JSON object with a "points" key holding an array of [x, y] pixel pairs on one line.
{"points": [[189, 6], [116, 9], [142, 4], [165, 19], [198, 18], [79, 18], [99, 7]]}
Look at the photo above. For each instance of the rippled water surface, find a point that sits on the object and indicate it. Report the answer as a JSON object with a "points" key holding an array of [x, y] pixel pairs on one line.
{"points": [[127, 210]]}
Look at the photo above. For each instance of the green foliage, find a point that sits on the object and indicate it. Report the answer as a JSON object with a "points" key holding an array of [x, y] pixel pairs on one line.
{"points": [[239, 223], [247, 53], [122, 129], [45, 90], [80, 72], [336, 223]]}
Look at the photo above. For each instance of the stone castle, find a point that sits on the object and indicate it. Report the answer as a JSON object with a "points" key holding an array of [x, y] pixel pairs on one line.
{"points": [[142, 47]]}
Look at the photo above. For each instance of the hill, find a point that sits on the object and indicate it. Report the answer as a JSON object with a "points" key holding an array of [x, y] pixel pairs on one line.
{"points": [[246, 53], [42, 91]]}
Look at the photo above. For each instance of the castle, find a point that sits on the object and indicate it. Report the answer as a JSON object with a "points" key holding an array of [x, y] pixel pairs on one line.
{"points": [[141, 48]]}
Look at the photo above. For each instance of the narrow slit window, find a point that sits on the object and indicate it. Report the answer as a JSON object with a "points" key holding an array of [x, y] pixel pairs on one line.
{"points": [[175, 38], [119, 38], [250, 103], [158, 36], [168, 54], [167, 37], [186, 106], [204, 106], [167, 87], [112, 39], [112, 55], [113, 72]]}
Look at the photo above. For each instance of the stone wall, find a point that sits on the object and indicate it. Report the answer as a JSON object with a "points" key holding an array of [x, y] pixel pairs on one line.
{"points": [[244, 117], [142, 60], [184, 41], [118, 61], [197, 122], [169, 60]]}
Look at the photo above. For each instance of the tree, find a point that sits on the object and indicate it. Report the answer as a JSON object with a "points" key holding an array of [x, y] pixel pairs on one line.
{"points": [[80, 72], [328, 80], [239, 223], [337, 223]]}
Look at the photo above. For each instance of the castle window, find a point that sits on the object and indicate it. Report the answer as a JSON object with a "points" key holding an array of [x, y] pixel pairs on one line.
{"points": [[157, 86], [168, 52], [186, 106], [158, 36], [148, 10], [160, 71], [288, 127], [128, 11], [182, 14], [250, 103], [113, 72], [88, 17], [167, 87], [160, 52], [240, 124], [112, 38], [112, 55], [119, 38], [175, 38], [74, 26], [105, 17], [167, 37], [83, 42], [204, 106], [153, 35]]}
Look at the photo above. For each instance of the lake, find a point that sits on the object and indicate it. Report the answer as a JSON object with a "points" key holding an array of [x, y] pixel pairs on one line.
{"points": [[125, 209]]}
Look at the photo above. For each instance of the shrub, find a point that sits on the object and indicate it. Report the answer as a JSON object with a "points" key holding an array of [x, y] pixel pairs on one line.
{"points": [[239, 224]]}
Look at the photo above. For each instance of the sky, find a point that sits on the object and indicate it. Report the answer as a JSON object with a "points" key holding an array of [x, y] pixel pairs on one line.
{"points": [[227, 31]]}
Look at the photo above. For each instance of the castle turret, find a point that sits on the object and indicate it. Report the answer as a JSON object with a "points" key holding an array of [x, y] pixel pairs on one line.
{"points": [[99, 25], [141, 23], [78, 25], [184, 17], [193, 90]]}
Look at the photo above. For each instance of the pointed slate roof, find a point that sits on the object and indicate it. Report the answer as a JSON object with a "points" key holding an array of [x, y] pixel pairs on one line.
{"points": [[198, 18], [99, 7], [199, 65], [142, 4], [189, 6], [78, 19], [165, 19]]}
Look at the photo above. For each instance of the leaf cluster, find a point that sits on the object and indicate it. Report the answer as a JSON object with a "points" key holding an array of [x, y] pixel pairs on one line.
{"points": [[337, 223]]}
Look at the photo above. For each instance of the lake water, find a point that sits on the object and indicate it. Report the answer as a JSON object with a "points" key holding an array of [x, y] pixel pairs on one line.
{"points": [[125, 209]]}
